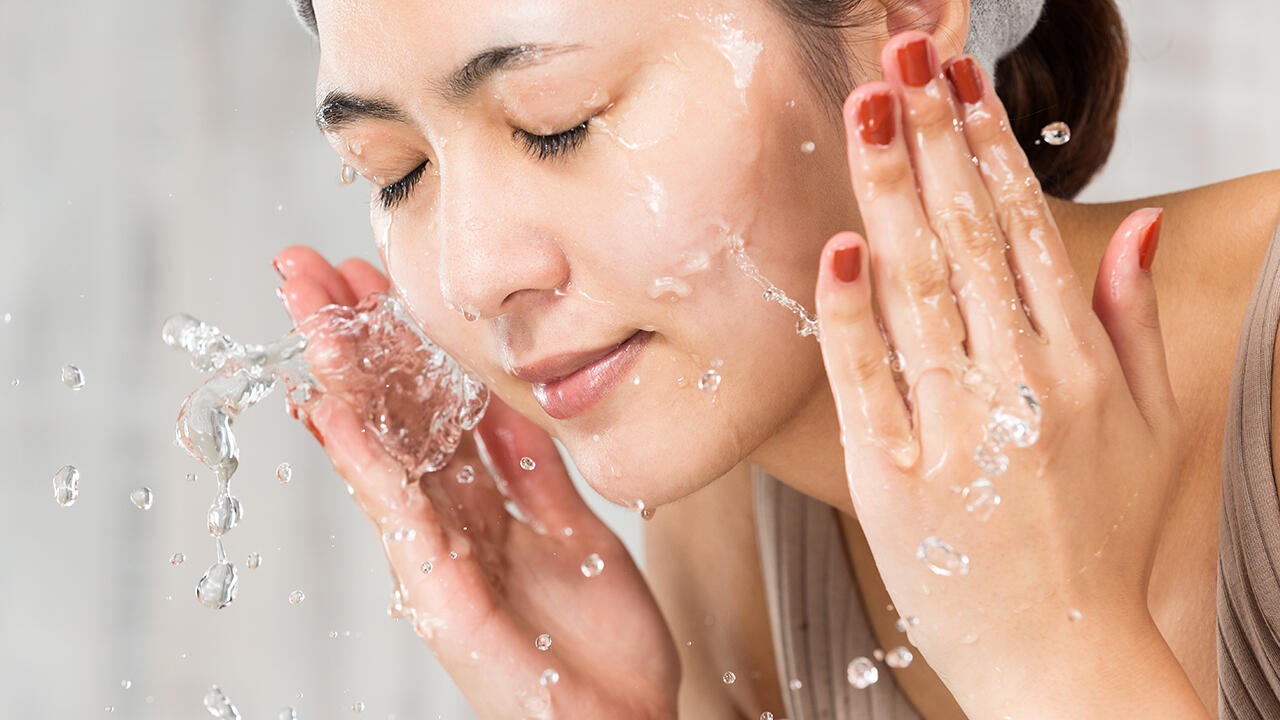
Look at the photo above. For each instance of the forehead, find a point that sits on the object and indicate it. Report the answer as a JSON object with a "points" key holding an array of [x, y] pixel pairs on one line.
{"points": [[374, 45]]}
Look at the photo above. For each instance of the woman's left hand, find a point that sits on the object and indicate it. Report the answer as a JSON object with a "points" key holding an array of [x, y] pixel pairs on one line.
{"points": [[977, 295]]}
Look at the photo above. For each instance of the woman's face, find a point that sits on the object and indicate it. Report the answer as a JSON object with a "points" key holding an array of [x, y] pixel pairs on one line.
{"points": [[511, 249]]}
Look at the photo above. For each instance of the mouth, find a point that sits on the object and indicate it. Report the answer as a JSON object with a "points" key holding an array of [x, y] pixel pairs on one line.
{"points": [[578, 391]]}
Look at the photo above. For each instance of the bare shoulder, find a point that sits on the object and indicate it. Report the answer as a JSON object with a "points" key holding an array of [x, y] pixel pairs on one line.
{"points": [[703, 564]]}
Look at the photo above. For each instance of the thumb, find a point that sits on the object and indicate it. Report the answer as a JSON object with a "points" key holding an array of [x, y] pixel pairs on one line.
{"points": [[1124, 298]]}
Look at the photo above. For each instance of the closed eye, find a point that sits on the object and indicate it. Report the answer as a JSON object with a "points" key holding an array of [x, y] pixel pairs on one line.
{"points": [[395, 193], [547, 147]]}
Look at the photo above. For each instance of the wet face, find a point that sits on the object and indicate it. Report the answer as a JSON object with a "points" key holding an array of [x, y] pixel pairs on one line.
{"points": [[579, 186]]}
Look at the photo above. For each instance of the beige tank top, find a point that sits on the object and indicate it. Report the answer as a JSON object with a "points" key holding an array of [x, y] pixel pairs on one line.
{"points": [[819, 624]]}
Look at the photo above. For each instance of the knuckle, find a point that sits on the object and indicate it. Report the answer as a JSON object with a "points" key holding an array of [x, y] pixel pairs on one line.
{"points": [[889, 174], [924, 276], [976, 236], [863, 365], [931, 117], [1022, 212]]}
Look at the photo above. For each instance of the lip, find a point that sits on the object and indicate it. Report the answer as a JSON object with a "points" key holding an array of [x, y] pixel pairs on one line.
{"points": [[577, 392]]}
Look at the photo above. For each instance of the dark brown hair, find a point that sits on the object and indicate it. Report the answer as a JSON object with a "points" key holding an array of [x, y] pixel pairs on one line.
{"points": [[1071, 68]]}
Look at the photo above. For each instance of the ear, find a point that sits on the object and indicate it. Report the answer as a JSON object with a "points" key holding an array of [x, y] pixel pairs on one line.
{"points": [[945, 21]]}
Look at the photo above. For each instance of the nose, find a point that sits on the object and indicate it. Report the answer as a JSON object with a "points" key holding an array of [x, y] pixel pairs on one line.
{"points": [[497, 251]]}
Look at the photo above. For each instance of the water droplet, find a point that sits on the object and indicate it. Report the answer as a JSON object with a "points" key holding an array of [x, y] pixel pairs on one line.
{"points": [[896, 361], [466, 475], [453, 555], [592, 566], [730, 678], [177, 558], [357, 706], [72, 377], [647, 513], [862, 673], [543, 642], [254, 561], [348, 175], [709, 383], [15, 382], [1056, 133], [1006, 426], [141, 498], [1074, 615], [426, 567], [766, 715], [126, 684], [942, 558], [66, 485], [990, 460], [8, 318], [217, 589], [527, 463], [981, 498], [284, 472], [110, 708], [549, 677], [878, 654], [296, 597], [287, 713], [224, 513], [898, 657], [807, 147], [906, 622], [795, 684], [220, 706], [191, 477]]}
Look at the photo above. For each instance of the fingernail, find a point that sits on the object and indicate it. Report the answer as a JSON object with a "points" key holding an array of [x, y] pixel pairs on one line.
{"points": [[847, 263], [284, 301], [1150, 240], [966, 81], [279, 270], [915, 58], [875, 118]]}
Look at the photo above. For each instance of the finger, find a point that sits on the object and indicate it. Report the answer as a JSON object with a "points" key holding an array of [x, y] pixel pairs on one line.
{"points": [[302, 261], [956, 201], [870, 407], [908, 264], [362, 277], [1124, 297], [302, 296], [1049, 285], [546, 492]]}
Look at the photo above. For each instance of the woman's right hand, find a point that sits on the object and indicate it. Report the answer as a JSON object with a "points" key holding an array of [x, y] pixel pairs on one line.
{"points": [[483, 611]]}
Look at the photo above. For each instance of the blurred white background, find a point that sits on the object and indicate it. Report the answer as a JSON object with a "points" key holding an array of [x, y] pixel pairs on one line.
{"points": [[160, 154]]}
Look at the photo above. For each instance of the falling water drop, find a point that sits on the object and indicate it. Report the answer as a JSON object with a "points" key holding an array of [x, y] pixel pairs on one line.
{"points": [[795, 684], [296, 597], [141, 498], [466, 475], [1056, 133], [287, 713], [527, 463], [217, 589], [549, 677], [862, 673], [254, 561], [191, 477], [126, 684], [66, 485], [72, 377], [941, 558], [426, 567], [177, 558], [220, 706], [284, 472], [898, 657], [357, 706], [543, 642], [730, 678], [592, 566], [348, 174], [990, 460]]}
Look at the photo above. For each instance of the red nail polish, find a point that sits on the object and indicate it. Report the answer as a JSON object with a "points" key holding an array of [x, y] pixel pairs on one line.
{"points": [[964, 77], [847, 263], [1150, 240], [875, 118], [915, 59]]}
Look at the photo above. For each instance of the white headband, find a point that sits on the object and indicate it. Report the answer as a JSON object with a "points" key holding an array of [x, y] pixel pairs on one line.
{"points": [[996, 27]]}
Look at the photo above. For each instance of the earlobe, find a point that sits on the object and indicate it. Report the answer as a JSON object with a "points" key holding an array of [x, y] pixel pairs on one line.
{"points": [[945, 21]]}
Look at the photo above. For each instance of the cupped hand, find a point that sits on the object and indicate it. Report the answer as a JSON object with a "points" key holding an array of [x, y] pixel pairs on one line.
{"points": [[963, 271], [485, 567]]}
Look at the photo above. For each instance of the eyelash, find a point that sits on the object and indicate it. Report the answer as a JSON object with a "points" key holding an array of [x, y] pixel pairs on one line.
{"points": [[542, 147]]}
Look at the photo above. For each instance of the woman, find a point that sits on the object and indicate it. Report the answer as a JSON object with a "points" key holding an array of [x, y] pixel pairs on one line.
{"points": [[583, 202]]}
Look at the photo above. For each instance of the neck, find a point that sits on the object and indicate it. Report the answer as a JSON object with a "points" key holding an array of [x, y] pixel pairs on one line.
{"points": [[806, 453]]}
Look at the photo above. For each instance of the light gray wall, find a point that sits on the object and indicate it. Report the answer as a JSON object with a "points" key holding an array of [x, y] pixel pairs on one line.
{"points": [[158, 154]]}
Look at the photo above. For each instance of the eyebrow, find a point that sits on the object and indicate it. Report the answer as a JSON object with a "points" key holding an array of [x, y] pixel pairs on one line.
{"points": [[340, 108]]}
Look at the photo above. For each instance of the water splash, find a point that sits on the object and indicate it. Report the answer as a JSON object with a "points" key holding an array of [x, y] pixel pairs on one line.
{"points": [[807, 322], [66, 485], [862, 673]]}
